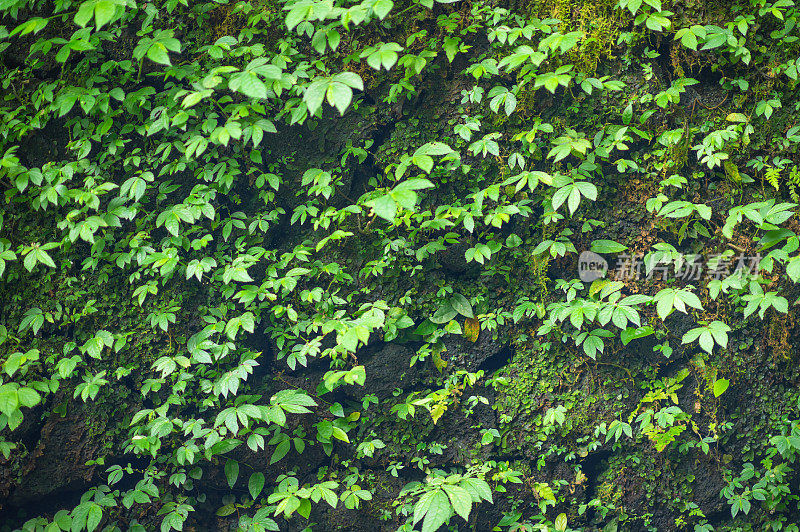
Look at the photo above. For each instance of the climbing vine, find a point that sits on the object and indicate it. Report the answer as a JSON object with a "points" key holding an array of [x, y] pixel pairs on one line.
{"points": [[223, 221]]}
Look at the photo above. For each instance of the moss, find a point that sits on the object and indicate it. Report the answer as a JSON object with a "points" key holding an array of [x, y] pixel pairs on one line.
{"points": [[599, 21]]}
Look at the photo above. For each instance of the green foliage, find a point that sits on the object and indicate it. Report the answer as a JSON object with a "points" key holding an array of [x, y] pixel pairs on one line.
{"points": [[709, 334], [670, 299], [197, 252], [445, 496]]}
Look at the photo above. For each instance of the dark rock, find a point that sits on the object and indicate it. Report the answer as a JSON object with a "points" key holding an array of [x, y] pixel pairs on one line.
{"points": [[57, 463], [388, 369], [453, 260], [485, 353]]}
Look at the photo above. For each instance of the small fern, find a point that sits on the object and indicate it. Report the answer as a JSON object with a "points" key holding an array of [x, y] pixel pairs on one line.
{"points": [[794, 183], [773, 177]]}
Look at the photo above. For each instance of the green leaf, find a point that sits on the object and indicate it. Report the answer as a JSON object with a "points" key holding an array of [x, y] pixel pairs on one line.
{"points": [[28, 397], [688, 37], [94, 517], [314, 95], [104, 12], [158, 54], [707, 342], [627, 114], [339, 95], [256, 484], [478, 488], [444, 314], [451, 47], [248, 84], [561, 522], [670, 299], [84, 14], [9, 399], [339, 434], [460, 500], [231, 472], [351, 79], [226, 510], [461, 305], [383, 57], [36, 255], [607, 246], [630, 334], [385, 207], [692, 335], [438, 512], [382, 8], [720, 385], [63, 520], [280, 451], [793, 269]]}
